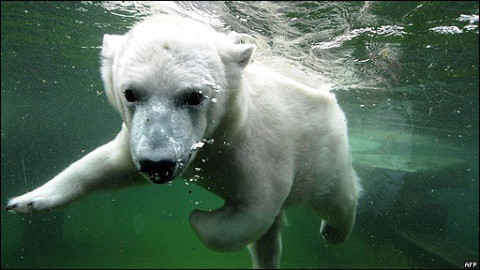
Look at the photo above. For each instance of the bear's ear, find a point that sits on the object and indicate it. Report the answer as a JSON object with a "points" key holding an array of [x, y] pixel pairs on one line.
{"points": [[111, 45], [242, 54]]}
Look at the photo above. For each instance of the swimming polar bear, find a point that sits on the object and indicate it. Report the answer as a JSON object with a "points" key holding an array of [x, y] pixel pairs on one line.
{"points": [[190, 98]]}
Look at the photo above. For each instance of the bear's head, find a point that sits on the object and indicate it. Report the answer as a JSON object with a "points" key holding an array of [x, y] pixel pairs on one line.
{"points": [[172, 79]]}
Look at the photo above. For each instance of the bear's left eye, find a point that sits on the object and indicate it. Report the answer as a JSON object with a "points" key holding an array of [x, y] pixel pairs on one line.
{"points": [[130, 95], [193, 98]]}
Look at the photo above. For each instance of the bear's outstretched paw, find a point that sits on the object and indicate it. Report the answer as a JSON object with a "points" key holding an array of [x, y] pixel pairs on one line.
{"points": [[27, 205]]}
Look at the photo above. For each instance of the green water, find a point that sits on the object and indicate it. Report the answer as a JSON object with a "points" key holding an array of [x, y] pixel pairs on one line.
{"points": [[406, 74]]}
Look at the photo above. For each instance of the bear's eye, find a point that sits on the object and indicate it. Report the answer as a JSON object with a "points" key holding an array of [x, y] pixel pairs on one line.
{"points": [[193, 98], [130, 95]]}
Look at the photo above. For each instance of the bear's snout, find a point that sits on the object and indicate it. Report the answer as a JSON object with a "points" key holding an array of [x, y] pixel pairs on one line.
{"points": [[159, 172]]}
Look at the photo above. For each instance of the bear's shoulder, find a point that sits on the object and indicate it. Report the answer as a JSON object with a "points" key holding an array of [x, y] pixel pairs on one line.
{"points": [[264, 79]]}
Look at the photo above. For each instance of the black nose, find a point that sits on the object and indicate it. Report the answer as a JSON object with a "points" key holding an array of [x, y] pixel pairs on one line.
{"points": [[159, 171]]}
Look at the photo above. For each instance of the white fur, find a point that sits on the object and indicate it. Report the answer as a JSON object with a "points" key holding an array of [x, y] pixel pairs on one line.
{"points": [[276, 142]]}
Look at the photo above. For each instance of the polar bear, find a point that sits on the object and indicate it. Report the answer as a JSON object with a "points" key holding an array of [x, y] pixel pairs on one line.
{"points": [[190, 97]]}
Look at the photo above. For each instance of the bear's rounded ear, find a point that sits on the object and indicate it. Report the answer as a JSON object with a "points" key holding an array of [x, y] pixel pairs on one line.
{"points": [[243, 53], [111, 45]]}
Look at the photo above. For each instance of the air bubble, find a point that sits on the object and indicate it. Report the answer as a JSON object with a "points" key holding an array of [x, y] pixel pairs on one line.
{"points": [[194, 178], [196, 146]]}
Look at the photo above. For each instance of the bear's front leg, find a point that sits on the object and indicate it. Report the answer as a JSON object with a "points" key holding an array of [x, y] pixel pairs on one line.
{"points": [[229, 228], [108, 166], [244, 220]]}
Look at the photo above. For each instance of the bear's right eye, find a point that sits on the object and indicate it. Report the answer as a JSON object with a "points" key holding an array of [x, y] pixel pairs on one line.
{"points": [[194, 98], [130, 95]]}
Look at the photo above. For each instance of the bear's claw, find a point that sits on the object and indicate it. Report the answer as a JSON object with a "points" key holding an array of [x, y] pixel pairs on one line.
{"points": [[11, 207], [23, 207]]}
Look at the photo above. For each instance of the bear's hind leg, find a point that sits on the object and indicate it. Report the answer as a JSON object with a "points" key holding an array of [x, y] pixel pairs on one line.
{"points": [[267, 251], [336, 233], [337, 210]]}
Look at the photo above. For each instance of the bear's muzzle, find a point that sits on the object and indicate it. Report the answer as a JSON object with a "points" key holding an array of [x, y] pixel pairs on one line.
{"points": [[159, 172]]}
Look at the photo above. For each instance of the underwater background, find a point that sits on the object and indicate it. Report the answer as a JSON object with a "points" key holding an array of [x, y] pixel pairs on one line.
{"points": [[405, 73]]}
